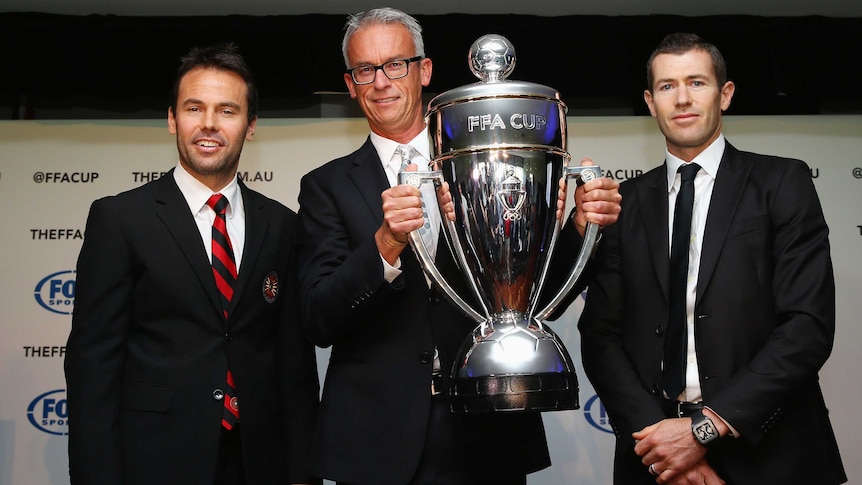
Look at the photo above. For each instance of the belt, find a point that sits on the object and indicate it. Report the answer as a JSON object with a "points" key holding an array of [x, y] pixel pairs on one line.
{"points": [[681, 409], [436, 384]]}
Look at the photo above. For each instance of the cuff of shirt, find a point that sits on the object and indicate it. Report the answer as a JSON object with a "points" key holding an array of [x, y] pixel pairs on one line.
{"points": [[391, 272]]}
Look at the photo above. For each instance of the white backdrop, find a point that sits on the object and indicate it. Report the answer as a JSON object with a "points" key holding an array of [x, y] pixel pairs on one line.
{"points": [[51, 171]]}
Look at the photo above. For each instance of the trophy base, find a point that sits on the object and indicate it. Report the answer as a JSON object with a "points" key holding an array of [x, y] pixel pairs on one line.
{"points": [[513, 393], [513, 363]]}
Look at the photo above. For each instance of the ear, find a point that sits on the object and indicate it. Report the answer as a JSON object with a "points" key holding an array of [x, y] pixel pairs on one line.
{"points": [[727, 94], [351, 88], [649, 102], [249, 132], [425, 66], [172, 122]]}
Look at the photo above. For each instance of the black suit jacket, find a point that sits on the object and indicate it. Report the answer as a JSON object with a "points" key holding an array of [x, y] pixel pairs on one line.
{"points": [[376, 398], [149, 345], [764, 320]]}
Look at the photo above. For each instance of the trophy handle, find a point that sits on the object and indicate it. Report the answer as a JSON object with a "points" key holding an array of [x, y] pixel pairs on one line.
{"points": [[415, 179], [582, 176]]}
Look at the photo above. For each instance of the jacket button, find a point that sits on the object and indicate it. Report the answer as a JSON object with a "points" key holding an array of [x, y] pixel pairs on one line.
{"points": [[218, 394], [659, 331], [656, 390], [425, 357], [228, 337]]}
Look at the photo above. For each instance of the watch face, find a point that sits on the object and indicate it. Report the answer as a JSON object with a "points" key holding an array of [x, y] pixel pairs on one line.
{"points": [[704, 431]]}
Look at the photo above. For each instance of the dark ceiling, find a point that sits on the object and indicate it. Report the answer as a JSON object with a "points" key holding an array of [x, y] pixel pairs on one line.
{"points": [[122, 66]]}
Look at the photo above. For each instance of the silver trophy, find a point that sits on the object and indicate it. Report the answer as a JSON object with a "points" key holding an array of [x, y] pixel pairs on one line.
{"points": [[501, 146]]}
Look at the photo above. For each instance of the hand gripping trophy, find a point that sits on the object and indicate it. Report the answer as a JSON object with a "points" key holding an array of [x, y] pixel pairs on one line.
{"points": [[501, 146]]}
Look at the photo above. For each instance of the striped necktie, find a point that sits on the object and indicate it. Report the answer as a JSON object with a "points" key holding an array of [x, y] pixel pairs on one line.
{"points": [[224, 271]]}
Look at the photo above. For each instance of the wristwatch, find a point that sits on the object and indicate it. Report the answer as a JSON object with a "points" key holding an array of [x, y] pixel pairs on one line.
{"points": [[704, 429]]}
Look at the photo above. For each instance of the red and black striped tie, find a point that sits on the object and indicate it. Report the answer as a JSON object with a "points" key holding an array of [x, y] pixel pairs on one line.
{"points": [[224, 271]]}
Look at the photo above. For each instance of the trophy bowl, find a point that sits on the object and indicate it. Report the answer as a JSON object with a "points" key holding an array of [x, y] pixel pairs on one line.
{"points": [[501, 146]]}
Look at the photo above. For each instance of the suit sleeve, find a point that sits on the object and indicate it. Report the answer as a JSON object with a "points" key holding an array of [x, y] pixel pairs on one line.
{"points": [[300, 389], [803, 313], [341, 285], [96, 349], [606, 363]]}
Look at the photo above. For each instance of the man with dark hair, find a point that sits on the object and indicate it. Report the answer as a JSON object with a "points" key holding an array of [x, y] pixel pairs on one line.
{"points": [[186, 362], [713, 306], [384, 417]]}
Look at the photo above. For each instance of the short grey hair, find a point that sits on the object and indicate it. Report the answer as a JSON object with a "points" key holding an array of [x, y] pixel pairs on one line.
{"points": [[385, 15]]}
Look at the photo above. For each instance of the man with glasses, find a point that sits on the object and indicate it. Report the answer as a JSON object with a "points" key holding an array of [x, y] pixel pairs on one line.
{"points": [[384, 416]]}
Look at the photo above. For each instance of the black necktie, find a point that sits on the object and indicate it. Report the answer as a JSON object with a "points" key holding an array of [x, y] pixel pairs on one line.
{"points": [[675, 344], [224, 271]]}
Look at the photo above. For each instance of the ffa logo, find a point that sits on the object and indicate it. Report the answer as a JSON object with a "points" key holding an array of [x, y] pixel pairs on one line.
{"points": [[270, 287]]}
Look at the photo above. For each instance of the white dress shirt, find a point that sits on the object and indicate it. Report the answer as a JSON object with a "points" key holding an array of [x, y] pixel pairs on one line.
{"points": [[197, 194], [704, 182]]}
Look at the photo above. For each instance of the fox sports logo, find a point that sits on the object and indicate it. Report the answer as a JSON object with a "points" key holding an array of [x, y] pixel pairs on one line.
{"points": [[49, 412], [56, 292], [596, 415]]}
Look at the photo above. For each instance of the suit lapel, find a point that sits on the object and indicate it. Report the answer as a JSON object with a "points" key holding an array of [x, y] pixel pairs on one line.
{"points": [[653, 193], [256, 227], [369, 179], [730, 181], [173, 210]]}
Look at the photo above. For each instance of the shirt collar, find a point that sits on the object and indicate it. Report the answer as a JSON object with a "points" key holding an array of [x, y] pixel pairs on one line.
{"points": [[386, 147], [708, 159], [197, 194]]}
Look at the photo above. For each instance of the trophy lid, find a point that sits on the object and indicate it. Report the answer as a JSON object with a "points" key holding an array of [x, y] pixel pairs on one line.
{"points": [[492, 58]]}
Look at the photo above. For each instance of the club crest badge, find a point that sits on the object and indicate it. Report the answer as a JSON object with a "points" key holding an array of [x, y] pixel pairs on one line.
{"points": [[270, 287]]}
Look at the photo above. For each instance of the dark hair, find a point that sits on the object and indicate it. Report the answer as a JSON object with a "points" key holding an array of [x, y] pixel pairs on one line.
{"points": [[682, 42], [225, 57]]}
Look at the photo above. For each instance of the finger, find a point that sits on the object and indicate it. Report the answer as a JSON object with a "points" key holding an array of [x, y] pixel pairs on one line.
{"points": [[401, 222], [640, 435], [402, 195], [601, 185], [587, 162], [445, 201]]}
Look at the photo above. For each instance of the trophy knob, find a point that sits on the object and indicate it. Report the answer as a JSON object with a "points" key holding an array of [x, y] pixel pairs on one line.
{"points": [[491, 58]]}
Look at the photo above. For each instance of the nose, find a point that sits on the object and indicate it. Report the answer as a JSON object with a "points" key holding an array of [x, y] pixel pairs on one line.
{"points": [[682, 97], [209, 121], [381, 80]]}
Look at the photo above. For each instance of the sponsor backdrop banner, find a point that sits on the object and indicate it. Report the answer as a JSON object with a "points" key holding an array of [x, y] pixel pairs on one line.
{"points": [[50, 172]]}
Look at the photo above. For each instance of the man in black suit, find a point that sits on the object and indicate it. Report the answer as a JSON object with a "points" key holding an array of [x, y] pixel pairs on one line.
{"points": [[740, 403], [382, 421], [186, 363]]}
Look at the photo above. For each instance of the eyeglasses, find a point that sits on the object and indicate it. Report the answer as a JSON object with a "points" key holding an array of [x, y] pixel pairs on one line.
{"points": [[394, 69]]}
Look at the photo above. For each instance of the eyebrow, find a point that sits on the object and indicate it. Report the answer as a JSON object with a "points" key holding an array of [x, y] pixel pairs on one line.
{"points": [[394, 58], [223, 104], [687, 78]]}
